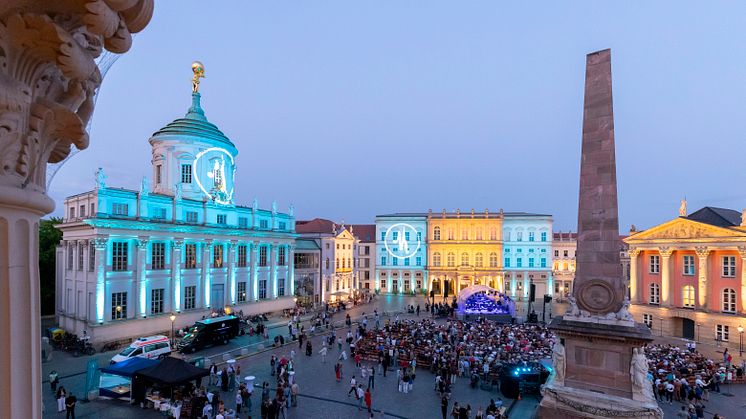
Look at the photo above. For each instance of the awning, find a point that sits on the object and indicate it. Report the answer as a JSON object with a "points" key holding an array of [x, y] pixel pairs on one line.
{"points": [[129, 367]]}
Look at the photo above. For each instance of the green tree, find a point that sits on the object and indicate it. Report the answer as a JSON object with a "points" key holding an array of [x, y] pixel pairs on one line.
{"points": [[49, 238]]}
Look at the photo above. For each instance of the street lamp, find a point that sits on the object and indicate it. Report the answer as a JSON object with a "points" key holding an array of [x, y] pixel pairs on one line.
{"points": [[699, 335], [173, 319], [740, 340], [661, 326]]}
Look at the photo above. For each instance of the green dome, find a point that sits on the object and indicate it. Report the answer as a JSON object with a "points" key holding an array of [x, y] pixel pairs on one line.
{"points": [[194, 124]]}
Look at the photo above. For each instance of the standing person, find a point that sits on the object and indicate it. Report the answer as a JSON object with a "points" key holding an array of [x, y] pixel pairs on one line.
{"points": [[70, 403], [272, 362], [294, 390], [213, 374], [368, 400], [360, 394], [53, 380], [323, 354], [239, 401], [444, 406], [418, 310], [371, 377], [338, 371], [353, 386], [61, 396]]}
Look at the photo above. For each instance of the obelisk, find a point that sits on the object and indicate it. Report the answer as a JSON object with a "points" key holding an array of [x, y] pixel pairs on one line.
{"points": [[599, 368]]}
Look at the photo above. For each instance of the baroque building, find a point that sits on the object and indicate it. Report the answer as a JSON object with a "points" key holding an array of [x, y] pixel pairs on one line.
{"points": [[178, 245], [687, 275]]}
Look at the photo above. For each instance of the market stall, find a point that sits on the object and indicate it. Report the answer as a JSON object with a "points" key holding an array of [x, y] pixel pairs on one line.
{"points": [[116, 379]]}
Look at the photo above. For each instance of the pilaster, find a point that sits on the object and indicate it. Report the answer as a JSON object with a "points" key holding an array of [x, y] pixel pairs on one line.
{"points": [[232, 270], [206, 269], [176, 264], [101, 245], [634, 280], [291, 269], [254, 251], [742, 253], [140, 280], [702, 253], [666, 297], [272, 287]]}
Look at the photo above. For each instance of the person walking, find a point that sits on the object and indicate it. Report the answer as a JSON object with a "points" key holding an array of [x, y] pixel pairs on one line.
{"points": [[323, 354], [61, 396], [444, 406], [371, 377], [53, 380], [353, 386], [239, 401], [294, 390], [213, 374], [368, 400], [360, 394], [338, 372]]}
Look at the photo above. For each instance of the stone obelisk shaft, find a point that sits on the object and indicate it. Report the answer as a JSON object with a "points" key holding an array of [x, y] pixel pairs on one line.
{"points": [[598, 223]]}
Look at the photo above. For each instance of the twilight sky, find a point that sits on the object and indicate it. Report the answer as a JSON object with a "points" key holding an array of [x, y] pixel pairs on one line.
{"points": [[349, 109]]}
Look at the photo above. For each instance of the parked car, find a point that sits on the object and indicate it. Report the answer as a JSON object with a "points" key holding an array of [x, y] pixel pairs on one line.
{"points": [[153, 347]]}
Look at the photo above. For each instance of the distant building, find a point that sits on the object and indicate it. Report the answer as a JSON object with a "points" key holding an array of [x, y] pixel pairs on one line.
{"points": [[401, 253], [128, 259], [687, 275], [308, 272], [366, 255], [337, 256], [527, 246]]}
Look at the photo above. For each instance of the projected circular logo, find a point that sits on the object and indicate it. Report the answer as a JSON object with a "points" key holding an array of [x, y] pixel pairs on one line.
{"points": [[214, 172], [402, 240]]}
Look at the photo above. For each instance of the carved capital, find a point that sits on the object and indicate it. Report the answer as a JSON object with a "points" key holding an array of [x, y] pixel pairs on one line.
{"points": [[665, 251], [142, 243], [702, 251], [742, 251], [633, 252], [177, 243], [100, 242]]}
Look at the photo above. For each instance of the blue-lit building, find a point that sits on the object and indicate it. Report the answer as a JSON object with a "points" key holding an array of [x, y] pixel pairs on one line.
{"points": [[128, 259], [401, 252], [527, 254]]}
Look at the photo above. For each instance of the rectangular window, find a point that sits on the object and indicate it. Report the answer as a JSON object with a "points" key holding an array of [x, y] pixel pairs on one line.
{"points": [[556, 253], [647, 319], [722, 332], [191, 217], [72, 212], [688, 296], [564, 253], [543, 236], [507, 262], [519, 236], [729, 266], [159, 213], [158, 174], [93, 210], [82, 211], [243, 222], [262, 289], [419, 236], [281, 256], [281, 287], [186, 173], [530, 262], [530, 236], [519, 262], [217, 256], [264, 224], [418, 261], [406, 261], [688, 265], [383, 236], [190, 260], [80, 256], [242, 256], [158, 256], [655, 294], [394, 237], [262, 255], [282, 225], [241, 290], [222, 219], [655, 264], [119, 305], [190, 297], [119, 256], [383, 260], [91, 256], [120, 209], [395, 261], [543, 263], [70, 259], [156, 301], [406, 235]]}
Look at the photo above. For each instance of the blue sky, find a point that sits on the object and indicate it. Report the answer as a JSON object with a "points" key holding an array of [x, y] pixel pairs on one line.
{"points": [[349, 109]]}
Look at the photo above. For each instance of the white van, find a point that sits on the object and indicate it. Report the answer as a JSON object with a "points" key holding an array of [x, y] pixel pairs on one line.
{"points": [[153, 347]]}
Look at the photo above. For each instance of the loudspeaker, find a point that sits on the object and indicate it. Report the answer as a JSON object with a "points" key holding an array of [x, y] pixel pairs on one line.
{"points": [[532, 293], [547, 299]]}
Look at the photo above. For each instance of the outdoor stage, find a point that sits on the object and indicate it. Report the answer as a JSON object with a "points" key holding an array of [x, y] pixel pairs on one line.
{"points": [[486, 302]]}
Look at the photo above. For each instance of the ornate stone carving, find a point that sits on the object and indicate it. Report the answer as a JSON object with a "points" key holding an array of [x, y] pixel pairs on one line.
{"points": [[558, 362], [642, 388], [633, 252], [141, 243], [665, 251], [702, 251], [742, 251], [177, 243], [48, 77], [682, 229], [100, 242]]}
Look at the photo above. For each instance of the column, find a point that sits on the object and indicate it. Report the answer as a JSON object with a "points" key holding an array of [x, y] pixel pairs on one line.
{"points": [[206, 263], [526, 285], [635, 293], [513, 285], [140, 281], [176, 246], [702, 253], [742, 252], [291, 269], [232, 271], [100, 243], [272, 287], [666, 297], [254, 250]]}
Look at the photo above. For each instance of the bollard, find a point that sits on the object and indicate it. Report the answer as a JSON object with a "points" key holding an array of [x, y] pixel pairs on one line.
{"points": [[244, 351], [226, 357]]}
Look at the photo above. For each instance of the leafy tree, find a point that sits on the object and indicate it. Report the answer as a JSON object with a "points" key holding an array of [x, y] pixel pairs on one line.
{"points": [[49, 238]]}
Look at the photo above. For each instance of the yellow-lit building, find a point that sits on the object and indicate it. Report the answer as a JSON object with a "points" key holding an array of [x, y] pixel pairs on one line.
{"points": [[464, 249]]}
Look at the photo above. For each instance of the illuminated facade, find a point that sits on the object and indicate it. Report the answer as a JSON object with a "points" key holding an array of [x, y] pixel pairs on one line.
{"points": [[401, 253], [338, 271], [527, 246], [464, 249], [179, 245], [366, 256], [687, 276]]}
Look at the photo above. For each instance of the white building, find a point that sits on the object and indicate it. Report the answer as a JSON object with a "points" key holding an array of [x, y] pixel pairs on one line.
{"points": [[128, 259], [338, 258]]}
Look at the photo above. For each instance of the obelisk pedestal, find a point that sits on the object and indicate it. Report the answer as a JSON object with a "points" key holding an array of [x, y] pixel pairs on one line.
{"points": [[600, 370]]}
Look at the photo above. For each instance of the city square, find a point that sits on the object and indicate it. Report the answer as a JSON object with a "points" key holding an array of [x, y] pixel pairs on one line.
{"points": [[242, 210]]}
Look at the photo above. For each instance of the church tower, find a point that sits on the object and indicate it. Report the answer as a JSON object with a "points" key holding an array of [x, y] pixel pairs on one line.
{"points": [[192, 158]]}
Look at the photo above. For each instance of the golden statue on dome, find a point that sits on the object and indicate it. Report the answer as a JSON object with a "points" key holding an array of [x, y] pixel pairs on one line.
{"points": [[199, 72]]}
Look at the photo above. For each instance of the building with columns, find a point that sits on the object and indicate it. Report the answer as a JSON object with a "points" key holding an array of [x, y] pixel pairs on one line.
{"points": [[527, 247], [687, 276], [401, 250], [128, 259], [338, 271]]}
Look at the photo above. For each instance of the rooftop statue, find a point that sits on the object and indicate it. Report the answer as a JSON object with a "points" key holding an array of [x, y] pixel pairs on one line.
{"points": [[199, 72]]}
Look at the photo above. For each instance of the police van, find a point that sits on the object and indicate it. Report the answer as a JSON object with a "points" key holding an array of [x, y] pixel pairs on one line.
{"points": [[153, 347]]}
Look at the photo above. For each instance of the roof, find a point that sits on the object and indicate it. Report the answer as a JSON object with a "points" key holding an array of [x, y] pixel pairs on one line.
{"points": [[302, 244], [194, 124], [216, 319], [366, 233], [560, 236], [720, 217], [317, 225], [129, 367], [463, 214], [172, 371]]}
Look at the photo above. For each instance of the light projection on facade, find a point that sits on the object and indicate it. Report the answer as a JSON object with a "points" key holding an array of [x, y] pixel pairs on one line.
{"points": [[402, 241], [214, 170]]}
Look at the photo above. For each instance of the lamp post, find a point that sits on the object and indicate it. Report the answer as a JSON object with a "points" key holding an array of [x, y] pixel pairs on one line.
{"points": [[699, 335], [740, 340], [173, 319], [661, 318]]}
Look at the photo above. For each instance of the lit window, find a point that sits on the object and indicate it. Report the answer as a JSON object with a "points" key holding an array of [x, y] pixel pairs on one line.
{"points": [[647, 319], [156, 301], [687, 296], [119, 256], [451, 259], [479, 260], [119, 306], [158, 257], [729, 266], [190, 261], [436, 259], [722, 332], [688, 265], [241, 292], [242, 250], [217, 256], [655, 294], [464, 259], [729, 300]]}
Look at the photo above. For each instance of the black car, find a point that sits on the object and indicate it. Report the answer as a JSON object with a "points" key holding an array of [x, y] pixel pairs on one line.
{"points": [[213, 331]]}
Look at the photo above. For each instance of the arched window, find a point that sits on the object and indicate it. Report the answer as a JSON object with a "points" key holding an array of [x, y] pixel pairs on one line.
{"points": [[451, 259], [464, 259], [493, 260], [687, 296], [436, 258], [436, 233], [479, 260], [493, 233], [729, 300], [655, 294]]}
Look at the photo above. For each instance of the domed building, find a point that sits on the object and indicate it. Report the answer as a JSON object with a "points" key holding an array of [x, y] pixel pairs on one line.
{"points": [[129, 259]]}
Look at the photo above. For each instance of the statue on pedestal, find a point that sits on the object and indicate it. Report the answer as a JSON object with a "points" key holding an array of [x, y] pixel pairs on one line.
{"points": [[100, 178], [641, 387], [558, 362]]}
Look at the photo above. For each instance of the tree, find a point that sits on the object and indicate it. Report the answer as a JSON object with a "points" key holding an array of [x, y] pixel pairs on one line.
{"points": [[49, 238]]}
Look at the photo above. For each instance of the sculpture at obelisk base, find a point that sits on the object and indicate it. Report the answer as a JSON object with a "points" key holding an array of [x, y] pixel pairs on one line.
{"points": [[48, 79], [599, 343]]}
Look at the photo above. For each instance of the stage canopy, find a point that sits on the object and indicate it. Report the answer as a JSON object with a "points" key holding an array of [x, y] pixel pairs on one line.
{"points": [[474, 289], [172, 371]]}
